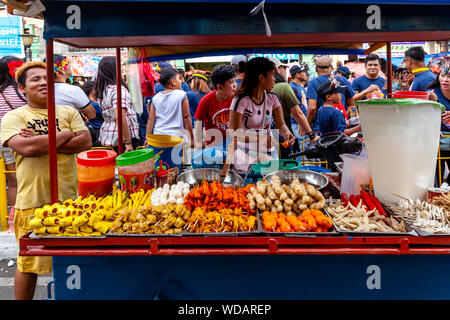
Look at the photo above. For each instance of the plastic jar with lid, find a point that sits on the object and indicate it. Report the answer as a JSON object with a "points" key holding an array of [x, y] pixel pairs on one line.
{"points": [[136, 170], [96, 170]]}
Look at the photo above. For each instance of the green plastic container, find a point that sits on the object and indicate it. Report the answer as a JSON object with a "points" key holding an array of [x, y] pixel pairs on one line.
{"points": [[136, 170], [266, 167]]}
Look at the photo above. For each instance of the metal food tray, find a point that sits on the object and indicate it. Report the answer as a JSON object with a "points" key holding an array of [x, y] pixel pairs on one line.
{"points": [[428, 234], [143, 234], [258, 231], [35, 236], [316, 179], [299, 234], [186, 233], [420, 232], [196, 176], [410, 231]]}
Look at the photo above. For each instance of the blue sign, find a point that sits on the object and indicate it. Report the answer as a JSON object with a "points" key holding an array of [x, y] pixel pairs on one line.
{"points": [[10, 42], [279, 56]]}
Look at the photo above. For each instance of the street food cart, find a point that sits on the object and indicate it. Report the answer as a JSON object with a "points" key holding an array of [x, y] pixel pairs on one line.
{"points": [[260, 265]]}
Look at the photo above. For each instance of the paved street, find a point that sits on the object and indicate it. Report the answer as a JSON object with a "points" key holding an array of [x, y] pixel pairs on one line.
{"points": [[8, 255]]}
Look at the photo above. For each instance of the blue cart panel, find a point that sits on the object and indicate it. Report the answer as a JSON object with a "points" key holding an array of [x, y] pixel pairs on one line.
{"points": [[260, 277]]}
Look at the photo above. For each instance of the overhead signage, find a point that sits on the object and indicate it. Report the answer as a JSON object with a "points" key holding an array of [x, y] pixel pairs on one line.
{"points": [[397, 48], [279, 56], [10, 41]]}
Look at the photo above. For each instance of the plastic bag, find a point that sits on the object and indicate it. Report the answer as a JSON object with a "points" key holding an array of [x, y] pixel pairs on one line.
{"points": [[363, 152], [356, 172], [134, 85], [212, 157], [146, 75]]}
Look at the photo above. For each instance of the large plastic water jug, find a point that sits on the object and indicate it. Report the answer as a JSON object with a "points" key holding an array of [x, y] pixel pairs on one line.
{"points": [[402, 140]]}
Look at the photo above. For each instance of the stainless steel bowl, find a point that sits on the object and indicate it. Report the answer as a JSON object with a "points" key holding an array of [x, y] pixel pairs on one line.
{"points": [[318, 180], [196, 176]]}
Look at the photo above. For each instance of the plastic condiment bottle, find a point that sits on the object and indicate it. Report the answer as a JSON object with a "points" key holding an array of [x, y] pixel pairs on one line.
{"points": [[161, 175]]}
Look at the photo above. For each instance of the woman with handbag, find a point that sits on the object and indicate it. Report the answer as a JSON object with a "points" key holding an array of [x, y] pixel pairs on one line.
{"points": [[10, 98], [251, 114]]}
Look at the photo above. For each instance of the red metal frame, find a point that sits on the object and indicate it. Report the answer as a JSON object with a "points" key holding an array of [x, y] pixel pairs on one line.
{"points": [[52, 156], [52, 152], [261, 40], [192, 245], [389, 69], [240, 245], [119, 101]]}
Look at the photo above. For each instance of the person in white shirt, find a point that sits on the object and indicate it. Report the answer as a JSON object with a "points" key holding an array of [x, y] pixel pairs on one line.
{"points": [[105, 89], [70, 95], [169, 110]]}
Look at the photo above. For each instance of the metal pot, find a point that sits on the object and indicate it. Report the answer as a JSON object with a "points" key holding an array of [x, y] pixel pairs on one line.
{"points": [[196, 176], [318, 180]]}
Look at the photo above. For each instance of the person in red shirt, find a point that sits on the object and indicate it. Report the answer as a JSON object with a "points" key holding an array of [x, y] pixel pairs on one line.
{"points": [[214, 109], [341, 108]]}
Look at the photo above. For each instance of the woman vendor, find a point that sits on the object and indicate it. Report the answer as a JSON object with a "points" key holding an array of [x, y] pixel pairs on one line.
{"points": [[251, 114]]}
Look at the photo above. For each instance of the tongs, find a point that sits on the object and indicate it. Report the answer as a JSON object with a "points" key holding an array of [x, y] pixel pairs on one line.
{"points": [[228, 160]]}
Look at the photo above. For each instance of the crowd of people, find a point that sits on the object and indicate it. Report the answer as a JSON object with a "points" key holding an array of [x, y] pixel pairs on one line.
{"points": [[260, 102]]}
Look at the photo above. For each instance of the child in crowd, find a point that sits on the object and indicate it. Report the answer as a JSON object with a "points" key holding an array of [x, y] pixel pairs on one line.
{"points": [[169, 110], [214, 108], [96, 123], [329, 118], [198, 89]]}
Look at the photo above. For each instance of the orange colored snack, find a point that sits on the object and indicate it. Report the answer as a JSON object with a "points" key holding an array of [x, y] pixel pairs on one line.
{"points": [[270, 220], [215, 196]]}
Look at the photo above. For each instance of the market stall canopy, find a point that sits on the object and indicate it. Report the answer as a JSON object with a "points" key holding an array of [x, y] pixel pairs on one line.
{"points": [[180, 27]]}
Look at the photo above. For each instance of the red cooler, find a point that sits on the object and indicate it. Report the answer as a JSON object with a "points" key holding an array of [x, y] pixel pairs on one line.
{"points": [[96, 171]]}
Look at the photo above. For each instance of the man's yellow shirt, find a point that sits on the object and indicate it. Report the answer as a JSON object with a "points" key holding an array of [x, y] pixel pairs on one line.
{"points": [[33, 176]]}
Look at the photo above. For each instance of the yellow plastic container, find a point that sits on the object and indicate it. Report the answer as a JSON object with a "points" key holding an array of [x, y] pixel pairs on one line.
{"points": [[163, 140], [171, 147]]}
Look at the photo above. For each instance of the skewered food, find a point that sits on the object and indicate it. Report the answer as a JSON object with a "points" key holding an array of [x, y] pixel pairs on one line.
{"points": [[289, 199], [88, 216], [442, 201], [424, 216], [170, 194], [357, 218], [223, 220], [310, 220], [215, 196], [167, 219]]}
